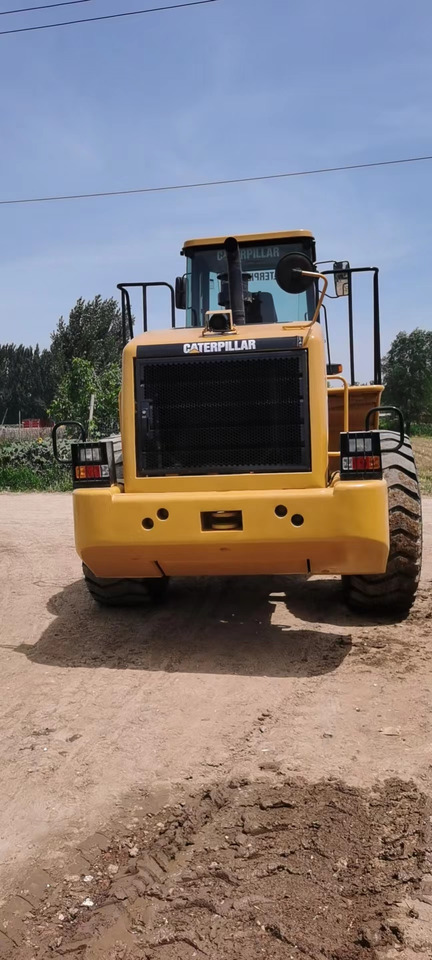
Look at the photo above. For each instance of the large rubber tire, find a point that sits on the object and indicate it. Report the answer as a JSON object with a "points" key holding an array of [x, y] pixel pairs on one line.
{"points": [[125, 592], [395, 590]]}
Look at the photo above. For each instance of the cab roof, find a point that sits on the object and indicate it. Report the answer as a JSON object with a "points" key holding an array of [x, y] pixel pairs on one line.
{"points": [[250, 238]]}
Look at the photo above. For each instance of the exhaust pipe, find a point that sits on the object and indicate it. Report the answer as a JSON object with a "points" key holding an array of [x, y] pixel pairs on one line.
{"points": [[235, 281]]}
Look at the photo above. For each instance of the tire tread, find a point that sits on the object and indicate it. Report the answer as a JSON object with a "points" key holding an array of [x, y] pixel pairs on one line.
{"points": [[126, 592], [395, 590]]}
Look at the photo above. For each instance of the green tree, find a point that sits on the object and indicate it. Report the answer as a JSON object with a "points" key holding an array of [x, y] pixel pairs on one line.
{"points": [[407, 370], [107, 399], [46, 381], [42, 384], [73, 398], [93, 332], [26, 382]]}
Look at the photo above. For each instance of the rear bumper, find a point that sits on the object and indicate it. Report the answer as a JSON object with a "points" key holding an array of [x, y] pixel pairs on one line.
{"points": [[345, 530]]}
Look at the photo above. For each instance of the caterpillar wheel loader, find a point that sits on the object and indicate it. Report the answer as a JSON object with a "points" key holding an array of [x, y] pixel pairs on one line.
{"points": [[243, 450]]}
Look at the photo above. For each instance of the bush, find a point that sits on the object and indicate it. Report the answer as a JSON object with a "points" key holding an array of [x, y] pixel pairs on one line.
{"points": [[30, 465], [421, 429]]}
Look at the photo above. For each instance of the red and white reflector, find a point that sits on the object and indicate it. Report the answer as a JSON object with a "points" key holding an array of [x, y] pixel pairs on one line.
{"points": [[92, 471], [91, 463], [361, 455]]}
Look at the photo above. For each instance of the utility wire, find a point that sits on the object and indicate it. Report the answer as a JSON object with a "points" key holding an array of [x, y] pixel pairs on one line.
{"points": [[215, 183], [109, 16], [44, 6]]}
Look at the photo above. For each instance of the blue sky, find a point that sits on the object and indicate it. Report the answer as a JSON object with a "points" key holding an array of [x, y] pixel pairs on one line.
{"points": [[235, 88]]}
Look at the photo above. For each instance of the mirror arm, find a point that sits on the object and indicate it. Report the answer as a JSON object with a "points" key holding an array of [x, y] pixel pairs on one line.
{"points": [[316, 276]]}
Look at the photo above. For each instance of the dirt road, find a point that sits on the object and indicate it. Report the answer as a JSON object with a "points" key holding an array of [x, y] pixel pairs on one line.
{"points": [[267, 685]]}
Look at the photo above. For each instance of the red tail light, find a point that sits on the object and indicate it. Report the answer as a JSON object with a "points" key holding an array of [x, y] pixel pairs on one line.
{"points": [[91, 471], [361, 455], [91, 464]]}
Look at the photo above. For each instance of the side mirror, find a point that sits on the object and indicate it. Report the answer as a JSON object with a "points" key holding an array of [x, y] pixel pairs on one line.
{"points": [[341, 278], [289, 273], [180, 293]]}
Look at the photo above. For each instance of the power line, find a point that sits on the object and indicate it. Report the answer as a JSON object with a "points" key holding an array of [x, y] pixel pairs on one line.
{"points": [[215, 183], [109, 16], [44, 6]]}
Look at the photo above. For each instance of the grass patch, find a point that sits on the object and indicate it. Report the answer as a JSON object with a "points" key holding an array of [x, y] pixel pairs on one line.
{"points": [[422, 447], [23, 479]]}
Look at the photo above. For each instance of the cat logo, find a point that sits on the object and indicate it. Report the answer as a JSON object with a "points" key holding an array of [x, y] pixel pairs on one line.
{"points": [[219, 346]]}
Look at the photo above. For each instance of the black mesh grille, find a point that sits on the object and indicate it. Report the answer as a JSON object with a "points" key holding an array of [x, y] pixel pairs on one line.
{"points": [[222, 415]]}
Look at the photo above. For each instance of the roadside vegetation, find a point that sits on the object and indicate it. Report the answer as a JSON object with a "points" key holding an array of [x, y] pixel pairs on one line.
{"points": [[78, 373], [423, 453], [81, 372], [29, 465]]}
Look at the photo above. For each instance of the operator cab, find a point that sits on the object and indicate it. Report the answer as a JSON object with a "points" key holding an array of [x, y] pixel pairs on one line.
{"points": [[205, 284]]}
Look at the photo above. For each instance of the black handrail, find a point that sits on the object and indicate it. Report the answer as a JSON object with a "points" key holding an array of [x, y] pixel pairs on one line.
{"points": [[376, 318], [126, 304], [126, 313], [399, 415], [65, 423]]}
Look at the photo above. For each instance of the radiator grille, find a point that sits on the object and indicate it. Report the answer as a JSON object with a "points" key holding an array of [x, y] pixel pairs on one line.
{"points": [[222, 414]]}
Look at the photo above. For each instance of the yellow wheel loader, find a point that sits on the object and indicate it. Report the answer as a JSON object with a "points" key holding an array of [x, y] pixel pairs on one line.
{"points": [[243, 450]]}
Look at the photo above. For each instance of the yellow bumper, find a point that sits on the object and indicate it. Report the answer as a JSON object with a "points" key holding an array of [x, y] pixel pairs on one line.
{"points": [[344, 530]]}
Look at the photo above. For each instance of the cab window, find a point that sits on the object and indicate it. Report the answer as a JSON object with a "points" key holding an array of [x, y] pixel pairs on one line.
{"points": [[265, 302]]}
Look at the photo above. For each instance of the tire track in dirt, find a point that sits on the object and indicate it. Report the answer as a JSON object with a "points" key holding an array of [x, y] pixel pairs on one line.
{"points": [[245, 870], [232, 680]]}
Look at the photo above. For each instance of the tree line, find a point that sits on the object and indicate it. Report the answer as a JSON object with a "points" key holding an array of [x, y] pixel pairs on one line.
{"points": [[84, 359]]}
